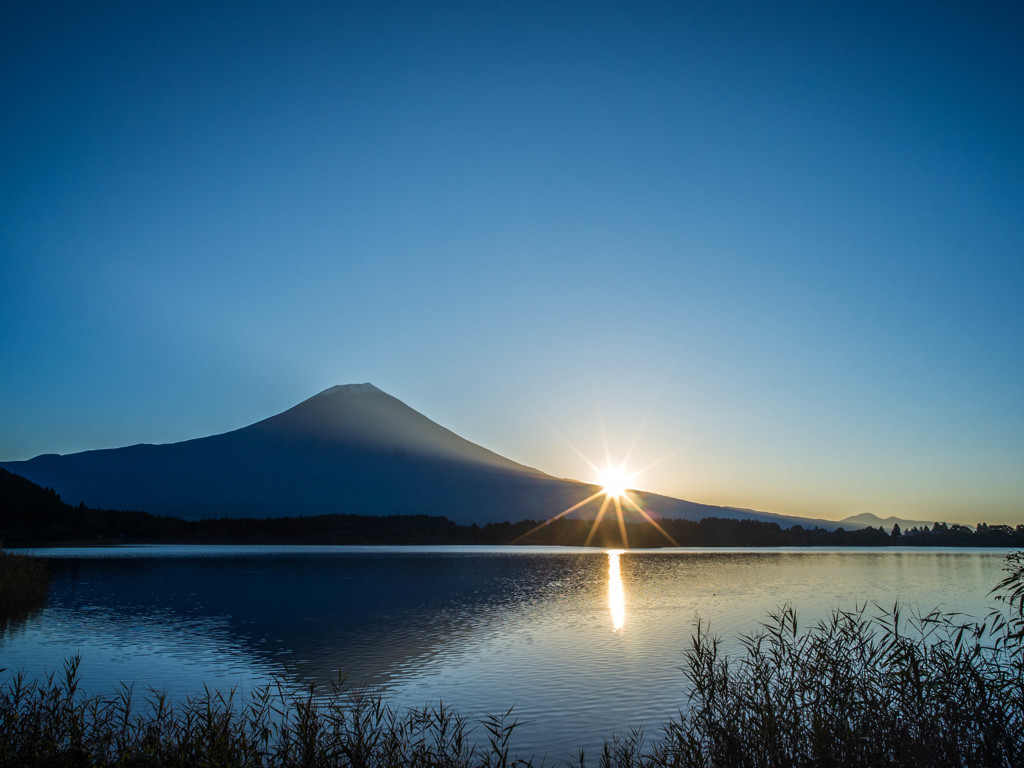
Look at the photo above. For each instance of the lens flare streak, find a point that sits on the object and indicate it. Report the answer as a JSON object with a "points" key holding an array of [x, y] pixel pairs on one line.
{"points": [[613, 480], [649, 519], [597, 520], [561, 514]]}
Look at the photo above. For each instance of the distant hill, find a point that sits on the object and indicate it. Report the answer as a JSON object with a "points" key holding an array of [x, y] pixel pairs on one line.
{"points": [[19, 497], [351, 449], [874, 521]]}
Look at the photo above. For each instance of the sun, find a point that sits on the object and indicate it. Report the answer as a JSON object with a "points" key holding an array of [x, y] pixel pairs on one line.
{"points": [[615, 487], [614, 481]]}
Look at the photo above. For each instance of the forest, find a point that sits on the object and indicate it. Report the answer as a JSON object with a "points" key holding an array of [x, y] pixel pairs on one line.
{"points": [[34, 516]]}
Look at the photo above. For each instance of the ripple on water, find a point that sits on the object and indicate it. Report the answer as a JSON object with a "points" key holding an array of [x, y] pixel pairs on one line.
{"points": [[483, 630]]}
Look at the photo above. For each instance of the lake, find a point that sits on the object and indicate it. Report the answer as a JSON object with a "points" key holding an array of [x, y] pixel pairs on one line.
{"points": [[583, 642]]}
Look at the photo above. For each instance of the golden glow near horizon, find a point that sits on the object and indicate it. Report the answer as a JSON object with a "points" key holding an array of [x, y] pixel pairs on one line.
{"points": [[616, 594]]}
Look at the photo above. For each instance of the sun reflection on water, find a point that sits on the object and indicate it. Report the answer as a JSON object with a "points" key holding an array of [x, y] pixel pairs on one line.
{"points": [[616, 595]]}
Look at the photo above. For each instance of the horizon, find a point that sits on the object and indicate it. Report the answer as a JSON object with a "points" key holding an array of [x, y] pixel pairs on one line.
{"points": [[615, 482], [773, 252]]}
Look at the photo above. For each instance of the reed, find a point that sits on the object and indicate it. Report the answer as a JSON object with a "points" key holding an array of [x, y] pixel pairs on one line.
{"points": [[24, 582], [887, 690], [48, 723], [856, 689], [891, 689]]}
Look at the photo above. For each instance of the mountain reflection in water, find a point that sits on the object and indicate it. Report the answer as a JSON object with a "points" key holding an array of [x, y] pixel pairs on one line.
{"points": [[362, 615]]}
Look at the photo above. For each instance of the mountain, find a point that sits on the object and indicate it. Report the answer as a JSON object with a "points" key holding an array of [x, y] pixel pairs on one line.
{"points": [[874, 521], [350, 449]]}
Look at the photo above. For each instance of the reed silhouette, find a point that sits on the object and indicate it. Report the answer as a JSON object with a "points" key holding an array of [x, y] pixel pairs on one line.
{"points": [[24, 583]]}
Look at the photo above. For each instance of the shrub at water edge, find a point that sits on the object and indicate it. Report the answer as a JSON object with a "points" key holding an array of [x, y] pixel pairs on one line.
{"points": [[24, 582]]}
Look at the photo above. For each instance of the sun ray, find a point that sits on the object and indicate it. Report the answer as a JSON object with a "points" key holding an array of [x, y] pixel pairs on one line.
{"points": [[636, 438], [614, 482], [622, 522], [604, 432], [597, 520], [649, 519], [658, 461], [556, 517], [575, 450]]}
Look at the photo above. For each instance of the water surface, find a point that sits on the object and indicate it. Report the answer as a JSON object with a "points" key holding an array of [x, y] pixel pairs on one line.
{"points": [[582, 642]]}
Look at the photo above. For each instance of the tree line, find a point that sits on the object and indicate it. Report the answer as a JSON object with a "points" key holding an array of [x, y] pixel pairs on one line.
{"points": [[31, 515]]}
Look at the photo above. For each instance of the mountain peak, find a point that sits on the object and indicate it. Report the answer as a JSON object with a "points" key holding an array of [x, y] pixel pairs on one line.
{"points": [[366, 388], [360, 418]]}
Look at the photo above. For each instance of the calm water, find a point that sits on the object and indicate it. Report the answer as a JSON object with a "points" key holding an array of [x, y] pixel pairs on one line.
{"points": [[584, 643]]}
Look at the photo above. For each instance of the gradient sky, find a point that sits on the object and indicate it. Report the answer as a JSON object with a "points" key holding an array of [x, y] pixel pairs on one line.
{"points": [[787, 239]]}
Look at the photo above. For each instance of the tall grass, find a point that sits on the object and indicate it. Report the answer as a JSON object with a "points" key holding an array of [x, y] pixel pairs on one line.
{"points": [[48, 723], [24, 582], [852, 690], [856, 689]]}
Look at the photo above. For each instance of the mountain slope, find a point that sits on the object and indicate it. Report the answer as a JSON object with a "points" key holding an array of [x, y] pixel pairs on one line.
{"points": [[350, 449]]}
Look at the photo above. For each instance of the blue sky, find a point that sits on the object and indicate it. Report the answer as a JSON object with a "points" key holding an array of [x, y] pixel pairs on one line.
{"points": [[785, 239]]}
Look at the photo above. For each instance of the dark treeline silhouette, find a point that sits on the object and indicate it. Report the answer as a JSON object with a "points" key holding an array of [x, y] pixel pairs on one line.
{"points": [[31, 515], [724, 532]]}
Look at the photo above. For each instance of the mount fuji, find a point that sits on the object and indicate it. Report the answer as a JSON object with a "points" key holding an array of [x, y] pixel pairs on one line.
{"points": [[350, 449]]}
